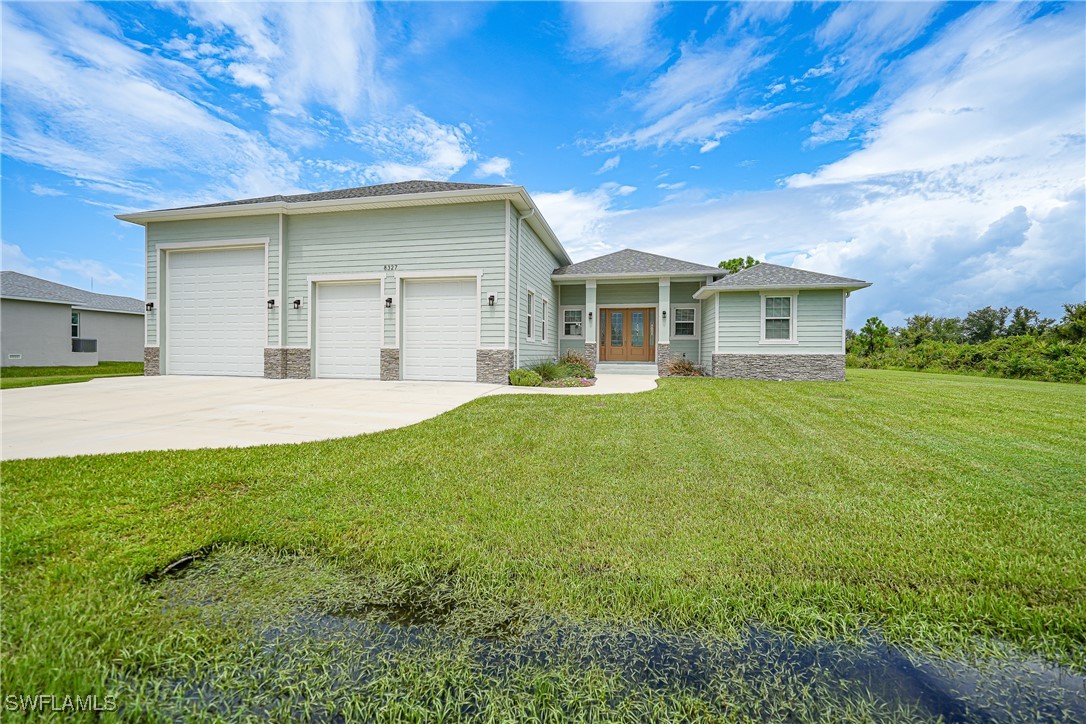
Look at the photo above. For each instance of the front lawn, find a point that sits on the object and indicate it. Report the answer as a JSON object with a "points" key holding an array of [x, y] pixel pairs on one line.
{"points": [[34, 376], [939, 511]]}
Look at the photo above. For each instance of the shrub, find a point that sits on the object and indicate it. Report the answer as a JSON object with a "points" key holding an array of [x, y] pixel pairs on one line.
{"points": [[547, 369], [570, 382], [574, 369], [572, 357], [682, 367], [524, 378]]}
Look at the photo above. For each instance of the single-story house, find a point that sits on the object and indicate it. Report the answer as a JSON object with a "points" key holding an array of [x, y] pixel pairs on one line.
{"points": [[45, 324], [424, 280]]}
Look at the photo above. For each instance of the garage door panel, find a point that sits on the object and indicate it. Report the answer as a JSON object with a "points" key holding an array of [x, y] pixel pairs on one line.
{"points": [[440, 329], [349, 330], [215, 312]]}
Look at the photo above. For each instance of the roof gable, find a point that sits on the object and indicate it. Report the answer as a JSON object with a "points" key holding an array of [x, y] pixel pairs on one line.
{"points": [[14, 285], [630, 262], [770, 276]]}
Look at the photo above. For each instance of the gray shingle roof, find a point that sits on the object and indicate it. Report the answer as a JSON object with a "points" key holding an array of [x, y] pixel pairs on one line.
{"points": [[402, 187], [629, 261], [23, 286], [773, 275]]}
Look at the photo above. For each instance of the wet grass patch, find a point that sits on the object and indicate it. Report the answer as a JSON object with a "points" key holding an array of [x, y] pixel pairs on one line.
{"points": [[291, 636]]}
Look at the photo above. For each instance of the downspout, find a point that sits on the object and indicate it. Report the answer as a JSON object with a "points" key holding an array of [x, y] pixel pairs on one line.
{"points": [[520, 230]]}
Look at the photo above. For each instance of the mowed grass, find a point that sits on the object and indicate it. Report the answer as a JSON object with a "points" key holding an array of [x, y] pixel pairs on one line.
{"points": [[35, 376], [943, 511]]}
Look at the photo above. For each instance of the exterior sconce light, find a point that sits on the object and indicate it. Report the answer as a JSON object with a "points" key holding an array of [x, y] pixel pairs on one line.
{"points": [[271, 304], [150, 306], [490, 300], [388, 302], [590, 316], [297, 303], [664, 314]]}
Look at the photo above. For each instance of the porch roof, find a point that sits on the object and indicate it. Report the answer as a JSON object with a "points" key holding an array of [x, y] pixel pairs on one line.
{"points": [[633, 263]]}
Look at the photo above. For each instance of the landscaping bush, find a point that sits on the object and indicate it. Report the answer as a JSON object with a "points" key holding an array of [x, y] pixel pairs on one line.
{"points": [[572, 369], [524, 378], [570, 382], [547, 369], [682, 367]]}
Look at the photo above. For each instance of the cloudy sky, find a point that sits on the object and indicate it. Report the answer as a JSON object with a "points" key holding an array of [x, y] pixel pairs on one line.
{"points": [[938, 150]]}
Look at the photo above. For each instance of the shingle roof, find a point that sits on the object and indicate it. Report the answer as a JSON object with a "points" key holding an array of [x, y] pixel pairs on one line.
{"points": [[629, 261], [402, 187], [773, 275], [22, 286]]}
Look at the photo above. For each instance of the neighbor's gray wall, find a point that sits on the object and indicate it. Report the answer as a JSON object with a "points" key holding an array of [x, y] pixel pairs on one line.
{"points": [[41, 333], [225, 230], [120, 336]]}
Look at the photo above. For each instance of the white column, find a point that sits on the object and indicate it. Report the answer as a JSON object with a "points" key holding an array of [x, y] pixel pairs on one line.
{"points": [[663, 322], [590, 312]]}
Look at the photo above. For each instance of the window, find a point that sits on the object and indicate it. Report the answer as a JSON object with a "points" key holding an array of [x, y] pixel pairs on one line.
{"points": [[531, 315], [573, 323], [543, 322], [75, 325], [683, 317], [778, 323]]}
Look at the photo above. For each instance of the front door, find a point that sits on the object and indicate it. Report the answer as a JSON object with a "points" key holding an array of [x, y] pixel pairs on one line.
{"points": [[627, 335]]}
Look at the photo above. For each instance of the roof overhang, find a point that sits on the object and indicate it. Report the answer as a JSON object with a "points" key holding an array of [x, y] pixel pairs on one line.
{"points": [[74, 305], [708, 291], [620, 276], [516, 195]]}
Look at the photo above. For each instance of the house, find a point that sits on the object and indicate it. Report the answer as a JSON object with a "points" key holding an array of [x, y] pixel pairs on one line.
{"points": [[424, 280], [45, 324]]}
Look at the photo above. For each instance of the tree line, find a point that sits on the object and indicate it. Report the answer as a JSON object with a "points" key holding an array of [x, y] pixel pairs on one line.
{"points": [[1002, 342]]}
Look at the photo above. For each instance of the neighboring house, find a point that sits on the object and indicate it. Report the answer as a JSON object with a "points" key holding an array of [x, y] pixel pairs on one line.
{"points": [[45, 324], [426, 280]]}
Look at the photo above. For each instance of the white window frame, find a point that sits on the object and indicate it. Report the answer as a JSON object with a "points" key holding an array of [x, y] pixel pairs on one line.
{"points": [[77, 324], [697, 321], [793, 326], [562, 321], [530, 309], [543, 320]]}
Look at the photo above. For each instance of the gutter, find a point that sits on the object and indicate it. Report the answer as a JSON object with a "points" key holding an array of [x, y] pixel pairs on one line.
{"points": [[707, 291]]}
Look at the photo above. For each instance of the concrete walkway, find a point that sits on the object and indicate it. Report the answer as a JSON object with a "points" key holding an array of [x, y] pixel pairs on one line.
{"points": [[127, 414]]}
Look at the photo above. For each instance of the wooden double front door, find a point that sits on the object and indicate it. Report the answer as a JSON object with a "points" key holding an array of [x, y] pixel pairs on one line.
{"points": [[627, 335]]}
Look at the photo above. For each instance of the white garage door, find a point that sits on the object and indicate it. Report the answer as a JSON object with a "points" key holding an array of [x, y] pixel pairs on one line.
{"points": [[349, 330], [215, 312], [440, 329]]}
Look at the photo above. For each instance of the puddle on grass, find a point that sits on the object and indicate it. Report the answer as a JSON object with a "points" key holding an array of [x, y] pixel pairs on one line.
{"points": [[329, 659]]}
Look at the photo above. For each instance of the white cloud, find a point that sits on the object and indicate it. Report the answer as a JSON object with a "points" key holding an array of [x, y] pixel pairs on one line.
{"points": [[39, 190], [865, 34], [621, 32], [80, 273], [414, 146], [773, 11], [672, 187], [580, 218], [708, 146], [610, 164], [496, 166]]}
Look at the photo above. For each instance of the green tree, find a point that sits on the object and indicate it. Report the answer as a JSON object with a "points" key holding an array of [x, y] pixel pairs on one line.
{"points": [[918, 328], [873, 338], [984, 325], [1073, 325], [947, 329], [1026, 321], [738, 264]]}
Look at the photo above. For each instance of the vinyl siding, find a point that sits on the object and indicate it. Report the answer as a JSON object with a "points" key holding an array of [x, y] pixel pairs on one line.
{"points": [[818, 324], [469, 237], [683, 293], [611, 295], [708, 330], [572, 295], [537, 264], [246, 227]]}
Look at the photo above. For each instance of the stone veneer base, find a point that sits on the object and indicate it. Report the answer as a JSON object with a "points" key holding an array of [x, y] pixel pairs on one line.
{"points": [[790, 367], [150, 362], [292, 363], [663, 356], [390, 364], [493, 365], [591, 355]]}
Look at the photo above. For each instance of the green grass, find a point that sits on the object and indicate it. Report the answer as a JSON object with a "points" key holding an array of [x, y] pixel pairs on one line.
{"points": [[11, 377], [943, 511]]}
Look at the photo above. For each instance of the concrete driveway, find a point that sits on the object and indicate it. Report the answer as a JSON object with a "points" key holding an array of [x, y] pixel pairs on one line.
{"points": [[125, 414]]}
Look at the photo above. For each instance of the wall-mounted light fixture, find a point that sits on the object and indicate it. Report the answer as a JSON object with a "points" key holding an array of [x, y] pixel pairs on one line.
{"points": [[663, 313], [590, 316], [490, 300], [150, 306], [388, 302], [271, 304], [297, 303]]}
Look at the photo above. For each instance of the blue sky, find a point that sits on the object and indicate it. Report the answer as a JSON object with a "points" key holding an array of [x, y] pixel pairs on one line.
{"points": [[938, 150]]}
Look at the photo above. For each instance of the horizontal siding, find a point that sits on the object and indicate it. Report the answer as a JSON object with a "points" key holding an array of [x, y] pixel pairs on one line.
{"points": [[571, 345], [246, 227], [432, 238], [572, 295], [683, 292], [537, 265], [688, 348], [819, 326], [708, 329], [609, 295]]}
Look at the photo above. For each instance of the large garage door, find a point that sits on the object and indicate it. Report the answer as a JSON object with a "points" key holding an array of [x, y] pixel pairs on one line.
{"points": [[349, 330], [215, 312], [440, 329]]}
